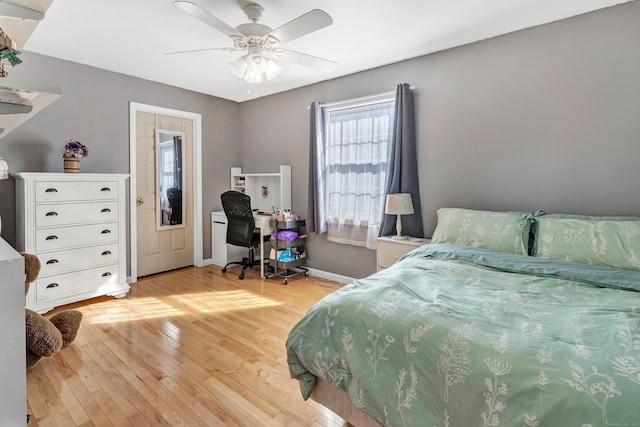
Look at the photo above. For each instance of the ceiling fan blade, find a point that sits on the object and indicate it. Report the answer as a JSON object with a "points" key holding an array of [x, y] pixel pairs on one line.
{"points": [[304, 60], [206, 17], [302, 25], [225, 49]]}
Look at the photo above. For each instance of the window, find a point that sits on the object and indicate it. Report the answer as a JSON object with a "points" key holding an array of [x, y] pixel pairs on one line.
{"points": [[357, 152]]}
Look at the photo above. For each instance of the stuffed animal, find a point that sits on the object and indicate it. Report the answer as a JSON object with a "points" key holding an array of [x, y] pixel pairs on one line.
{"points": [[46, 337]]}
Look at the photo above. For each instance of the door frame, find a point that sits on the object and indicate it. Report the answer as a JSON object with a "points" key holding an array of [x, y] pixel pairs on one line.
{"points": [[196, 118]]}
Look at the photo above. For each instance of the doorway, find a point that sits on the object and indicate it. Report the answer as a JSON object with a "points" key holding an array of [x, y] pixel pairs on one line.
{"points": [[157, 246]]}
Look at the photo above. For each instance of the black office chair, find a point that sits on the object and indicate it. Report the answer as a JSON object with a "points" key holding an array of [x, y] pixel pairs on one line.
{"points": [[240, 228], [174, 196]]}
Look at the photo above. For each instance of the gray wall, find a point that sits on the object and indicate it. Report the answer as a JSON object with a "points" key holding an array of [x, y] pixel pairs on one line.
{"points": [[545, 118], [94, 109]]}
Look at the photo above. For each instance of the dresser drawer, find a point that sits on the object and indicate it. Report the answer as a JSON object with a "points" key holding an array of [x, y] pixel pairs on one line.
{"points": [[77, 259], [75, 283], [76, 213], [62, 191], [50, 239]]}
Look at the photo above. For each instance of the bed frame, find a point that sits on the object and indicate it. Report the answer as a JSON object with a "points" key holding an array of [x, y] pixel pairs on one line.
{"points": [[338, 401]]}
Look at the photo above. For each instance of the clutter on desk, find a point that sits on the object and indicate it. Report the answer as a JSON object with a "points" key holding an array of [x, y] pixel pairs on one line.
{"points": [[285, 215]]}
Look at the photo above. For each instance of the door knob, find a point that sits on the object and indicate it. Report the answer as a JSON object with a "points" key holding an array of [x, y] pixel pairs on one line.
{"points": [[139, 201]]}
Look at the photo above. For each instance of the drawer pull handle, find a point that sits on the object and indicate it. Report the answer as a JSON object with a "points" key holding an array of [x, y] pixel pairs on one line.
{"points": [[107, 274], [105, 232], [52, 238], [51, 214], [106, 253], [105, 210], [52, 285], [105, 189], [50, 190], [52, 261]]}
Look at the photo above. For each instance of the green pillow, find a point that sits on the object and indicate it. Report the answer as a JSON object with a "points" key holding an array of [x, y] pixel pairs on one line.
{"points": [[611, 243], [533, 242], [497, 231], [591, 217]]}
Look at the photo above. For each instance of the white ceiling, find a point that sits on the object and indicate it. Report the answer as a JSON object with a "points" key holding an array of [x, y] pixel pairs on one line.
{"points": [[132, 36]]}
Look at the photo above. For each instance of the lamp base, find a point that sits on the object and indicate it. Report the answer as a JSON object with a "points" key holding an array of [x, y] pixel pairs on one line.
{"points": [[398, 237]]}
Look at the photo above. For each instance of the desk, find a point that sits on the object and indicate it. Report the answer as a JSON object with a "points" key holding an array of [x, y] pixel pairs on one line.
{"points": [[263, 223], [221, 253]]}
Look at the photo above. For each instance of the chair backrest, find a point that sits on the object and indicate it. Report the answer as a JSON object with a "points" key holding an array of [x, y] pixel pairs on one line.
{"points": [[240, 222], [174, 196]]}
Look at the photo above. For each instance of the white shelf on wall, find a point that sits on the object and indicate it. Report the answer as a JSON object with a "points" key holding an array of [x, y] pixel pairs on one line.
{"points": [[267, 190]]}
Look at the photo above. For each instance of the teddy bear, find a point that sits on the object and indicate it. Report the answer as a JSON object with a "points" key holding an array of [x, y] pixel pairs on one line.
{"points": [[45, 337]]}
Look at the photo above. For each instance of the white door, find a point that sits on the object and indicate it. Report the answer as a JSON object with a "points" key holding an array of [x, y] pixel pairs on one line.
{"points": [[161, 248]]}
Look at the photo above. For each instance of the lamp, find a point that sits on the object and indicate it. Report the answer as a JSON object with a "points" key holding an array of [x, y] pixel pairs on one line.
{"points": [[4, 169], [399, 204], [254, 67]]}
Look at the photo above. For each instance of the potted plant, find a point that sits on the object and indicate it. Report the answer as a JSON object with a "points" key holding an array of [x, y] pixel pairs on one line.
{"points": [[72, 152]]}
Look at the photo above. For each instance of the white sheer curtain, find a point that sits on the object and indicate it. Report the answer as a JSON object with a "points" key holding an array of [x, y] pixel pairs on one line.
{"points": [[358, 147]]}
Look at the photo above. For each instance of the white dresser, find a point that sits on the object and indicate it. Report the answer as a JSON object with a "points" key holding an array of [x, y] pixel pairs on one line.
{"points": [[76, 225]]}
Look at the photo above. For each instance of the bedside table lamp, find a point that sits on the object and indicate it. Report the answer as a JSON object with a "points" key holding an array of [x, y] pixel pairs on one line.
{"points": [[399, 204]]}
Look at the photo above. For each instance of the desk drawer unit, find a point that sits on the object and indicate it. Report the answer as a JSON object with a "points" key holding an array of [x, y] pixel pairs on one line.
{"points": [[75, 224]]}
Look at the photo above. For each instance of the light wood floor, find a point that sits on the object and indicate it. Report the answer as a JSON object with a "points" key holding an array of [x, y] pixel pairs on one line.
{"points": [[192, 347]]}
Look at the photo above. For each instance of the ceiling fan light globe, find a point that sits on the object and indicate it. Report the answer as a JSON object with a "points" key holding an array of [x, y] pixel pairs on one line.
{"points": [[273, 70], [250, 77], [257, 63], [239, 67]]}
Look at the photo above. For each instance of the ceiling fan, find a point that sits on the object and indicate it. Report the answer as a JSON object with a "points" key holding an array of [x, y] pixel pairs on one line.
{"points": [[262, 43]]}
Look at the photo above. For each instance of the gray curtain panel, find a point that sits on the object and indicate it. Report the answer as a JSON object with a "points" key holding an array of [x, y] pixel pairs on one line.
{"points": [[316, 221], [403, 167]]}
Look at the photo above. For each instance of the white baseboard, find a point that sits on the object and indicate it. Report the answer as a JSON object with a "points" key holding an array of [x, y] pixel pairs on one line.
{"points": [[330, 276], [312, 272], [204, 262]]}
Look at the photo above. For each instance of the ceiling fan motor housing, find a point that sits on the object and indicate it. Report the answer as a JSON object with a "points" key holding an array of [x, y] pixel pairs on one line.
{"points": [[253, 11]]}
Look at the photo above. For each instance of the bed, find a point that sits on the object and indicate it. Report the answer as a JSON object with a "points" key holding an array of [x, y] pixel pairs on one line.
{"points": [[472, 330]]}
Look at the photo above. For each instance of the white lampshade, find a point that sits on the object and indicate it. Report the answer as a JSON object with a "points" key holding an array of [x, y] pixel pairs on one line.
{"points": [[255, 67], [4, 169], [399, 204]]}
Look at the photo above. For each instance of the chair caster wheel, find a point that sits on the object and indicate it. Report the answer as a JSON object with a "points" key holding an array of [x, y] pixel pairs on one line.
{"points": [[224, 270], [241, 276], [306, 273], [286, 281]]}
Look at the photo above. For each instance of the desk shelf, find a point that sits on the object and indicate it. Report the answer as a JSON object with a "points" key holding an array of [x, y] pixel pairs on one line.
{"points": [[289, 268], [268, 191]]}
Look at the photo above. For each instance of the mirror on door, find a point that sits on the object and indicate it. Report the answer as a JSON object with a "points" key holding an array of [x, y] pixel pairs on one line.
{"points": [[170, 211]]}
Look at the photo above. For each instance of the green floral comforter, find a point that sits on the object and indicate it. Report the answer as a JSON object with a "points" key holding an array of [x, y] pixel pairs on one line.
{"points": [[457, 336]]}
